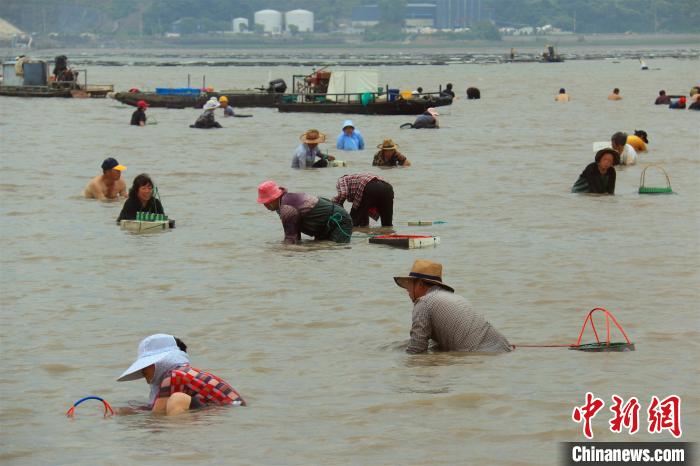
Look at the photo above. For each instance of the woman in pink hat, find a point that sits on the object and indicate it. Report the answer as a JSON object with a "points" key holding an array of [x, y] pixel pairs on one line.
{"points": [[304, 213]]}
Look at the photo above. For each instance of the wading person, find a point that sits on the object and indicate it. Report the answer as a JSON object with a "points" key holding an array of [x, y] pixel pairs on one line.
{"points": [[388, 155], [206, 120], [444, 317], [562, 96], [176, 386], [308, 151], [370, 195], [302, 213], [228, 110], [350, 138], [599, 176], [108, 185], [662, 99], [140, 199], [615, 95], [138, 118], [628, 156], [427, 119]]}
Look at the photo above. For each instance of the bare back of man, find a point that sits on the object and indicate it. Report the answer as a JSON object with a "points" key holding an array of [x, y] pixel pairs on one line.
{"points": [[103, 187]]}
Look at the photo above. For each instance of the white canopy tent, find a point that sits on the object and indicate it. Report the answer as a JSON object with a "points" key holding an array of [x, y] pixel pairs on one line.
{"points": [[355, 82]]}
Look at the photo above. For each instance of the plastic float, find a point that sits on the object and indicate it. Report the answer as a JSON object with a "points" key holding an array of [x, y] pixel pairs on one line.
{"points": [[337, 163], [643, 189], [607, 345], [147, 223], [406, 241], [108, 409]]}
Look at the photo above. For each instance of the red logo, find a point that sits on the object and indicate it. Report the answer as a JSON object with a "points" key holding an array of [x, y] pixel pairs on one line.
{"points": [[587, 412], [665, 415]]}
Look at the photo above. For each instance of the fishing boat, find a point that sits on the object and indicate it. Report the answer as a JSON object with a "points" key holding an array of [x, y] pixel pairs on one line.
{"points": [[191, 97], [355, 91], [30, 78], [550, 56]]}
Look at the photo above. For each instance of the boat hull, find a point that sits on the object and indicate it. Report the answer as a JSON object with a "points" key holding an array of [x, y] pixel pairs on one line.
{"points": [[397, 107], [236, 99]]}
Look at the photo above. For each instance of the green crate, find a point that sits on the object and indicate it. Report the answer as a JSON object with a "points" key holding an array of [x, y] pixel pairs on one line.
{"points": [[654, 189]]}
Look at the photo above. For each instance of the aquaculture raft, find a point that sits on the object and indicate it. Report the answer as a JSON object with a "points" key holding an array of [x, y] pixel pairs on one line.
{"points": [[643, 189], [406, 241]]}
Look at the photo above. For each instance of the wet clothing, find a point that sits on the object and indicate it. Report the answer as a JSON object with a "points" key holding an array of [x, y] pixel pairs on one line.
{"points": [[448, 320], [367, 192], [206, 120], [204, 388], [131, 206], [311, 215], [397, 158], [662, 100], [305, 157], [425, 120], [138, 116], [637, 143], [592, 181], [228, 111], [695, 105], [447, 93], [628, 156], [353, 142]]}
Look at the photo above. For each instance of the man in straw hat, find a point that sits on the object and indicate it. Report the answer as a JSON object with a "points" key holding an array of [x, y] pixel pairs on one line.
{"points": [[306, 153], [427, 119], [206, 120], [303, 213], [370, 196], [389, 156], [444, 317]]}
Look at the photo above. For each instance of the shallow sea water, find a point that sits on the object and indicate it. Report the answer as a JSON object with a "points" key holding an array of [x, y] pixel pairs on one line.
{"points": [[313, 335]]}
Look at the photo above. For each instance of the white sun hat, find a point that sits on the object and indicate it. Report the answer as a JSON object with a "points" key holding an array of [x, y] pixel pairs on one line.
{"points": [[151, 350]]}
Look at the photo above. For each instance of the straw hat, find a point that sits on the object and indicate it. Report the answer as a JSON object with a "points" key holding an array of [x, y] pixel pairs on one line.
{"points": [[211, 104], [388, 144], [151, 350], [428, 271], [268, 191], [312, 136]]}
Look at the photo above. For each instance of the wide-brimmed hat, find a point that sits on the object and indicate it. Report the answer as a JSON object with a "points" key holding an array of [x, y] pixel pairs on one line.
{"points": [[388, 144], [428, 271], [312, 136], [268, 191], [211, 104], [349, 123], [433, 112], [151, 350]]}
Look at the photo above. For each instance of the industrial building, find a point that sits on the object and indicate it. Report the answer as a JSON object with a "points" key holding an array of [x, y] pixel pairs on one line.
{"points": [[440, 14]]}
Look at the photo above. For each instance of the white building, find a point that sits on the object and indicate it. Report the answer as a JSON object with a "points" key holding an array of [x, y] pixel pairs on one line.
{"points": [[240, 25], [302, 19], [271, 21]]}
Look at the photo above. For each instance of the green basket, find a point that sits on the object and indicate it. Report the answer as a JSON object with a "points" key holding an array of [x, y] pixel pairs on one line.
{"points": [[654, 189], [603, 347]]}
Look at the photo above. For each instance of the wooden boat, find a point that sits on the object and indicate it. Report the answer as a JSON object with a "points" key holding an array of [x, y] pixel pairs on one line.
{"points": [[550, 56], [34, 81], [406, 241], [236, 98]]}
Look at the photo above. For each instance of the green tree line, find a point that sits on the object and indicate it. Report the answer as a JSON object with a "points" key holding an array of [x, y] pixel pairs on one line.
{"points": [[157, 16]]}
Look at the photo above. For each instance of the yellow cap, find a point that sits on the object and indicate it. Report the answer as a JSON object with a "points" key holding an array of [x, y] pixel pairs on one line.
{"points": [[223, 98]]}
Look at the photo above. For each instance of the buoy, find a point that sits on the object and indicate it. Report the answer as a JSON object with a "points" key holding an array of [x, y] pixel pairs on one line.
{"points": [[108, 409], [337, 163], [406, 241]]}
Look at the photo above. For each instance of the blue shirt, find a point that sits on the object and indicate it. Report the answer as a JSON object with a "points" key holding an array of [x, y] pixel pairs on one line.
{"points": [[305, 157], [353, 142], [228, 111]]}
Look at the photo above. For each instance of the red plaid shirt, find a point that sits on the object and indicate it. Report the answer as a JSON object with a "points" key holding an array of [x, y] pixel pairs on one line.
{"points": [[352, 187], [203, 387]]}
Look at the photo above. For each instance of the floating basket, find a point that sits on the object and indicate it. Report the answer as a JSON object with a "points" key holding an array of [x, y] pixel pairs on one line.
{"points": [[607, 345], [406, 241], [651, 189]]}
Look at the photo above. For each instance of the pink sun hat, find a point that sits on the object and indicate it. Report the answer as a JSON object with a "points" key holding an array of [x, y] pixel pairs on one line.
{"points": [[268, 191], [433, 112]]}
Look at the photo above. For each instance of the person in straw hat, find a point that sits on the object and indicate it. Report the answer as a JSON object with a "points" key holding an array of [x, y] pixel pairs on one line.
{"points": [[206, 119], [444, 317], [304, 213], [307, 152], [176, 386], [389, 156], [427, 119]]}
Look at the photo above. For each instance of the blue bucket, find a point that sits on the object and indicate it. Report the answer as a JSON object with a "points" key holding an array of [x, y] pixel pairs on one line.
{"points": [[393, 94]]}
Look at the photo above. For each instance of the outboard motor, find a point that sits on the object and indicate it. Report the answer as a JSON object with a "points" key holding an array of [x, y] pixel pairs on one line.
{"points": [[278, 86]]}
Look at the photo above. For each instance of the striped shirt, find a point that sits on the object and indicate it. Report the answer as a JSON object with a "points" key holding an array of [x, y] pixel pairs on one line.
{"points": [[352, 187], [203, 387], [448, 320]]}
